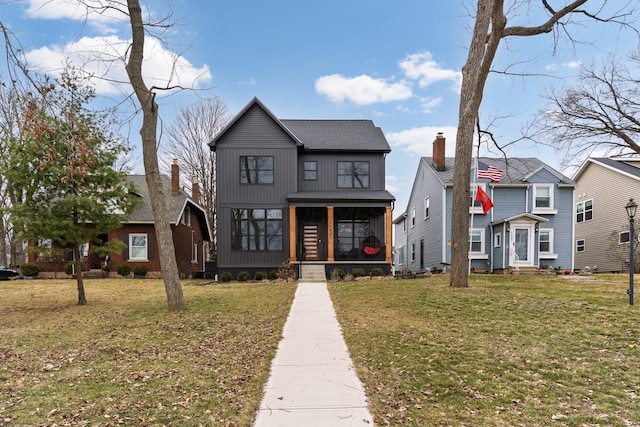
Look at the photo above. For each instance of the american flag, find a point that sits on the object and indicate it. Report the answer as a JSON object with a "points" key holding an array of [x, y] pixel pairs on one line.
{"points": [[486, 171]]}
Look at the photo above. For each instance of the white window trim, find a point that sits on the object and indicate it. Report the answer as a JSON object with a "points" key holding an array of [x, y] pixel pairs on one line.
{"points": [[481, 254], [473, 188], [401, 255], [413, 217], [548, 254], [497, 240], [551, 209], [413, 252], [584, 211], [620, 242], [146, 239], [426, 207]]}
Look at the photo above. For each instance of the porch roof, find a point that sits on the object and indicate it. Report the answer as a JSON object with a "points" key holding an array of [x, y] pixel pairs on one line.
{"points": [[524, 215], [328, 197]]}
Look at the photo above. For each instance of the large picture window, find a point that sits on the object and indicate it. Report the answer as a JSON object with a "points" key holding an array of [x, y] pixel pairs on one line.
{"points": [[256, 170], [353, 174], [256, 229], [351, 232], [138, 247]]}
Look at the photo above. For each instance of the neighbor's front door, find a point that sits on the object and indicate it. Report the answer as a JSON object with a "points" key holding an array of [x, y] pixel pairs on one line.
{"points": [[522, 249], [310, 241]]}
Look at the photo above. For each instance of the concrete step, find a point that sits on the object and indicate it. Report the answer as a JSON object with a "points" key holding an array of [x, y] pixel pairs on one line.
{"points": [[312, 273]]}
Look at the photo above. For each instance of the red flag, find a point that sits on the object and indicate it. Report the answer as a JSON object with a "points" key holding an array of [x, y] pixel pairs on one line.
{"points": [[484, 198]]}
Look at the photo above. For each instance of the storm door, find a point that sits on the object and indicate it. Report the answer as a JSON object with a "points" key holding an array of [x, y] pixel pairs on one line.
{"points": [[522, 252]]}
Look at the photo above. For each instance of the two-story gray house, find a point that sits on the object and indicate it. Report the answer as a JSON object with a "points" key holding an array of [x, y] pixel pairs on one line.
{"points": [[603, 188], [530, 225], [310, 191]]}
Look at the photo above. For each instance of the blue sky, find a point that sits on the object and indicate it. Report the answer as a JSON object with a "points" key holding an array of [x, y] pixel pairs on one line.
{"points": [[397, 63]]}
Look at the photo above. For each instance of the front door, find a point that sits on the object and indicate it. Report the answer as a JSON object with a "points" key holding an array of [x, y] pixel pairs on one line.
{"points": [[310, 241], [522, 249]]}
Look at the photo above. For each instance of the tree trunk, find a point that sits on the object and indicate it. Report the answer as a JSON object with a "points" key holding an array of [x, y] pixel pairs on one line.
{"points": [[77, 263], [148, 131], [489, 17]]}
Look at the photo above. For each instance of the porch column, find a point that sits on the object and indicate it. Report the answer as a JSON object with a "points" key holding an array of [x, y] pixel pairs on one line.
{"points": [[330, 246], [387, 237], [292, 233]]}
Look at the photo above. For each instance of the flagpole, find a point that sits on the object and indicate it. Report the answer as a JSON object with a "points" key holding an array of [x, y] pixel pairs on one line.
{"points": [[475, 189]]}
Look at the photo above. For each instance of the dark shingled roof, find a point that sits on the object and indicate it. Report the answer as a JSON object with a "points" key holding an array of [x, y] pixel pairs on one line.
{"points": [[143, 213], [621, 165], [515, 170], [359, 135], [342, 195]]}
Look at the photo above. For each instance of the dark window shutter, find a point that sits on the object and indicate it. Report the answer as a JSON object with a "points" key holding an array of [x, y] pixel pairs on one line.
{"points": [[125, 251], [150, 246]]}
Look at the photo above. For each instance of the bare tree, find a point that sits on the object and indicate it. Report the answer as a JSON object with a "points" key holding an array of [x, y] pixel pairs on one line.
{"points": [[489, 30], [600, 112], [148, 132], [188, 142]]}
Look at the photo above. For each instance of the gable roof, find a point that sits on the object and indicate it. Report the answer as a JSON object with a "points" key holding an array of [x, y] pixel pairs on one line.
{"points": [[321, 135], [516, 170], [357, 135], [621, 166], [176, 203]]}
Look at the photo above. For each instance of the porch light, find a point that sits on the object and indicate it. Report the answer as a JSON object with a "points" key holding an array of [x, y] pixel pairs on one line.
{"points": [[631, 208]]}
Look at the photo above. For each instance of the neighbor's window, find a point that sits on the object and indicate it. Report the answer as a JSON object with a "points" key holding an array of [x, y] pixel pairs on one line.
{"points": [[310, 171], [194, 246], [543, 198], [584, 211], [256, 229], [353, 174], [256, 170], [426, 207], [623, 237], [413, 217], [497, 240], [580, 245], [476, 241], [138, 247], [546, 241], [413, 252]]}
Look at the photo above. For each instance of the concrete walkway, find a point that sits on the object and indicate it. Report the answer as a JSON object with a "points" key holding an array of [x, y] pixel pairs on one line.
{"points": [[313, 381]]}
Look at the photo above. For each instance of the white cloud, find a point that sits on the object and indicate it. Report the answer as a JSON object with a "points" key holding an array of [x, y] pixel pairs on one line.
{"points": [[103, 57], [103, 15], [428, 104], [249, 82], [420, 140], [422, 67], [573, 64], [361, 90]]}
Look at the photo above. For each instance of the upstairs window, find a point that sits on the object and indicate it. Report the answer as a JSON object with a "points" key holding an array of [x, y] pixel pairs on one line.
{"points": [[353, 174], [256, 170], [413, 217], [426, 208], [584, 211], [310, 171], [543, 199], [623, 237]]}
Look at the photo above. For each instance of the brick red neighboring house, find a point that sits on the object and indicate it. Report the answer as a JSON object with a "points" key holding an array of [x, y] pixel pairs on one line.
{"points": [[188, 222]]}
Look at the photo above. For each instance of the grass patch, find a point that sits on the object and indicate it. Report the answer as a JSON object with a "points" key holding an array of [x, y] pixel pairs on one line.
{"points": [[506, 351], [125, 359]]}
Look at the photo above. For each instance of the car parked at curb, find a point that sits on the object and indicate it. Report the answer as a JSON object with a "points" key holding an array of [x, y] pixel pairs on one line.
{"points": [[7, 273]]}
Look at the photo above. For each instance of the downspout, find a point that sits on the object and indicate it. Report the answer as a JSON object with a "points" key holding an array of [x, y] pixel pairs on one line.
{"points": [[444, 225]]}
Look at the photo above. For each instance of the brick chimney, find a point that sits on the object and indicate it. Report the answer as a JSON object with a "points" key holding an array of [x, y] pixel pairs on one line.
{"points": [[175, 177], [438, 152], [195, 190]]}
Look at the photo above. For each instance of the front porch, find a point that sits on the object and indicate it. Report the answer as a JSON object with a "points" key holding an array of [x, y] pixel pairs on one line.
{"points": [[341, 235]]}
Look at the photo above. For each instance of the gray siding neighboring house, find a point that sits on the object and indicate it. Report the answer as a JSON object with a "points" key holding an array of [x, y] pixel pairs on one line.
{"points": [[301, 191], [529, 227], [604, 186]]}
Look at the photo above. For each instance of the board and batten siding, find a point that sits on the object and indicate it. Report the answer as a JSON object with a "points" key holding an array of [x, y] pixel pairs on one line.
{"points": [[610, 192], [327, 170], [255, 135]]}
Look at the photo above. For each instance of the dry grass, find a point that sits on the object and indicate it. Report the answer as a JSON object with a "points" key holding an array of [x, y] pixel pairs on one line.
{"points": [[508, 351], [124, 359]]}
